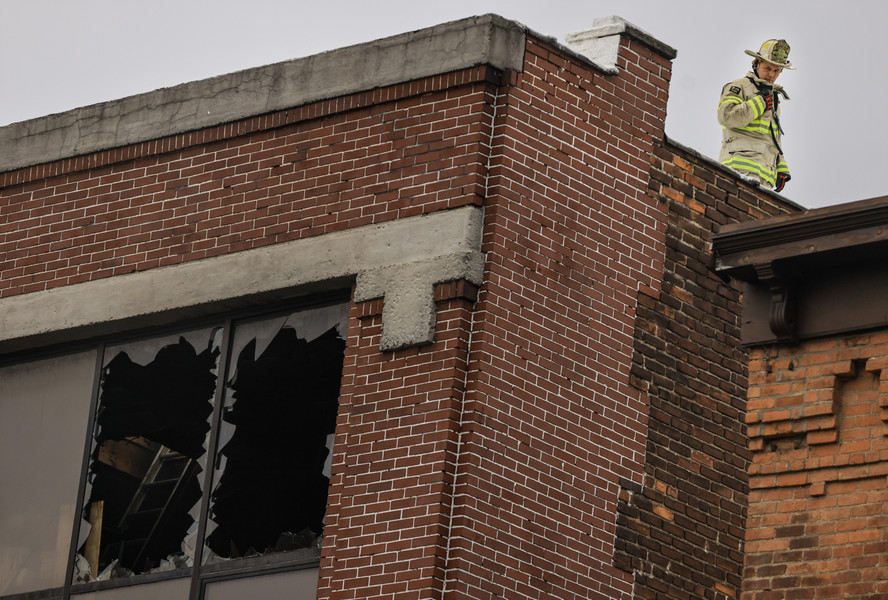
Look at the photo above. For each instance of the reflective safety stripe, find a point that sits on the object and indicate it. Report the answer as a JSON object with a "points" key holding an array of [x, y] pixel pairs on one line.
{"points": [[729, 100], [758, 126], [760, 104], [740, 163], [757, 103]]}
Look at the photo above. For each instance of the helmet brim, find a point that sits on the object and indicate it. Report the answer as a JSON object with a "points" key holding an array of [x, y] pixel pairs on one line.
{"points": [[786, 65]]}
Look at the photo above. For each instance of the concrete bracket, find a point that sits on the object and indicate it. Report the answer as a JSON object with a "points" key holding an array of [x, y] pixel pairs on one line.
{"points": [[408, 289]]}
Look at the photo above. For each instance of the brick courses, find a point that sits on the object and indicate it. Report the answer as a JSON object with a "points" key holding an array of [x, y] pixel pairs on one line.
{"points": [[817, 424], [550, 424], [682, 531], [284, 176]]}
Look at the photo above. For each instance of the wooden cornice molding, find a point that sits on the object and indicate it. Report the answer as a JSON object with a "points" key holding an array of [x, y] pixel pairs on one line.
{"points": [[846, 228], [815, 273]]}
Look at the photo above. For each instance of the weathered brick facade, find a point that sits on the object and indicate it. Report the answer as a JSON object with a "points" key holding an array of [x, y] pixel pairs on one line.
{"points": [[818, 516], [570, 425], [682, 530], [814, 288]]}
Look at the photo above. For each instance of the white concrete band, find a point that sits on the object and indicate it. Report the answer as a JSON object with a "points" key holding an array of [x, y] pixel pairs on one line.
{"points": [[399, 260]]}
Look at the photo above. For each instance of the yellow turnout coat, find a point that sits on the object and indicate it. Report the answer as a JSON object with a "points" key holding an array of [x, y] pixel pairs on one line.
{"points": [[750, 132]]}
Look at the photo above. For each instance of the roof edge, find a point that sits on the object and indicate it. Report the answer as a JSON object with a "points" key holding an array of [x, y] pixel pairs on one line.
{"points": [[486, 39], [803, 243], [799, 227]]}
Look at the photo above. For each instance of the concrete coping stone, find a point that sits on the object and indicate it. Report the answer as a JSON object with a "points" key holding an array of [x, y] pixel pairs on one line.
{"points": [[481, 40]]}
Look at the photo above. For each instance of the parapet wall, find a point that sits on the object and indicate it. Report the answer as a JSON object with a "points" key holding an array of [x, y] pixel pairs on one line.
{"points": [[484, 40]]}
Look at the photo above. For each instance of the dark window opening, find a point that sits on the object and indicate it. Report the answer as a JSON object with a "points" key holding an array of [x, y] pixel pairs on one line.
{"points": [[280, 415], [267, 445], [151, 429]]}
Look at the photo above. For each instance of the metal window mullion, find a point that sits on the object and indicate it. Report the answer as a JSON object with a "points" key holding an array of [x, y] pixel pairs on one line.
{"points": [[84, 470], [215, 426]]}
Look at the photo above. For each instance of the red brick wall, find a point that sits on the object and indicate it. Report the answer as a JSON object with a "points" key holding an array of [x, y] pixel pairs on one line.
{"points": [[550, 422], [818, 508], [681, 532], [393, 471], [292, 174]]}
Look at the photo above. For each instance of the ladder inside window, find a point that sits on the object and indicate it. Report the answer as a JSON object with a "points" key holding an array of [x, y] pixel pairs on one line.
{"points": [[160, 488]]}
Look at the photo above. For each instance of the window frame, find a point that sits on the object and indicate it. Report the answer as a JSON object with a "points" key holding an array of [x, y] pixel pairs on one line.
{"points": [[199, 573]]}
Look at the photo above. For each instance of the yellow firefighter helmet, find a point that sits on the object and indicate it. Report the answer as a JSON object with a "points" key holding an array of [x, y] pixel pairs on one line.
{"points": [[775, 52]]}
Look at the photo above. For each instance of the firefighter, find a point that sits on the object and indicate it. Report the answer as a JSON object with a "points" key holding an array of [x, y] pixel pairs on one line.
{"points": [[749, 113]]}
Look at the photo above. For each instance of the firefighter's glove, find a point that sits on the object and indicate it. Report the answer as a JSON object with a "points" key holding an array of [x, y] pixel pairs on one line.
{"points": [[768, 97], [782, 178]]}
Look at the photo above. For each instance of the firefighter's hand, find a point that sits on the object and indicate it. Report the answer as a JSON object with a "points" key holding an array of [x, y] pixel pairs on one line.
{"points": [[782, 178], [769, 100]]}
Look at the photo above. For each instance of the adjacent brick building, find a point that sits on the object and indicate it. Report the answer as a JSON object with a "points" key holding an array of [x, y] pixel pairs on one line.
{"points": [[815, 322], [430, 317]]}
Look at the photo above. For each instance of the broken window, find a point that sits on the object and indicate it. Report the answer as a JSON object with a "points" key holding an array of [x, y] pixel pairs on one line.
{"points": [[156, 397], [279, 415], [156, 434], [205, 447]]}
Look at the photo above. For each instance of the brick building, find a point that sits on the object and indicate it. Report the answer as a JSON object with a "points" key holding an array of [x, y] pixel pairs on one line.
{"points": [[429, 317], [815, 323]]}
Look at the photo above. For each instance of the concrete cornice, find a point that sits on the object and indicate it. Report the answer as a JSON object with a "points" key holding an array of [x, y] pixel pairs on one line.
{"points": [[400, 261], [489, 40]]}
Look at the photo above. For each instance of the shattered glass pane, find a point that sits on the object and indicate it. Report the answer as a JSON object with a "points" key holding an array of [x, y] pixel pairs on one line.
{"points": [[281, 401], [150, 436], [44, 409]]}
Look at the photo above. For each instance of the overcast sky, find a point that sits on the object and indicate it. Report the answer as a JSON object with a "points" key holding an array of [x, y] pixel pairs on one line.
{"points": [[56, 55]]}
